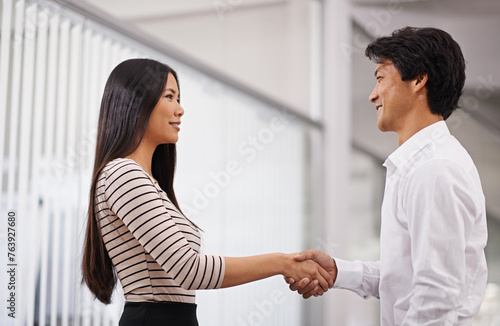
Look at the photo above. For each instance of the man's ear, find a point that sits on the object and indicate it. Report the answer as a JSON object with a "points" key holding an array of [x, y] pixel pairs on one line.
{"points": [[420, 81]]}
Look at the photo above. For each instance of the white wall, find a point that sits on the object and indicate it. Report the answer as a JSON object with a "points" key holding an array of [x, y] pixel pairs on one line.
{"points": [[265, 44]]}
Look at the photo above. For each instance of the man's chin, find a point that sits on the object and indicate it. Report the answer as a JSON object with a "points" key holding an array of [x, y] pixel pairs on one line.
{"points": [[381, 126]]}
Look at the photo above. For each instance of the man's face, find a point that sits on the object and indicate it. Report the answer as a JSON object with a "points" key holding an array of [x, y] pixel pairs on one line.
{"points": [[392, 97]]}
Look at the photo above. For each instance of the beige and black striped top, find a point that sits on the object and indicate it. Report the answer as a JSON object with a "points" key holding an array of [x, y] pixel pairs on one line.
{"points": [[155, 250]]}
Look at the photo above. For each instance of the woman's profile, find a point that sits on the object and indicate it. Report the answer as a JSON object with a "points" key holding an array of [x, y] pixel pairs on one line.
{"points": [[136, 231]]}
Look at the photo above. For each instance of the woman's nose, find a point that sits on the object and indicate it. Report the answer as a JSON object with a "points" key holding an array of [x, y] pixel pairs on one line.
{"points": [[180, 111]]}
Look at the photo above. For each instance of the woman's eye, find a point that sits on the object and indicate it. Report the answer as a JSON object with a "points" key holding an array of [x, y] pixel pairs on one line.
{"points": [[170, 96]]}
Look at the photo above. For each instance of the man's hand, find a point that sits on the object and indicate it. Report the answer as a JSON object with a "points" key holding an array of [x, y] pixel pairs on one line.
{"points": [[305, 286]]}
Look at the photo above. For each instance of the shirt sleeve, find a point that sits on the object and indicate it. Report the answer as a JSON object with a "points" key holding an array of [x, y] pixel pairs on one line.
{"points": [[360, 277], [134, 199], [440, 205]]}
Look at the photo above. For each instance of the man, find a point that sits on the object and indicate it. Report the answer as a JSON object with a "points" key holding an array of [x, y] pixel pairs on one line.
{"points": [[432, 268]]}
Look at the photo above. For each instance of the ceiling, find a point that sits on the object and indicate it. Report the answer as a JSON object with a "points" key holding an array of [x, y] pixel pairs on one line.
{"points": [[474, 24]]}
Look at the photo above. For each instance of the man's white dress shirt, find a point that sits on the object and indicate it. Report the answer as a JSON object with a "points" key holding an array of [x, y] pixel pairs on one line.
{"points": [[432, 268]]}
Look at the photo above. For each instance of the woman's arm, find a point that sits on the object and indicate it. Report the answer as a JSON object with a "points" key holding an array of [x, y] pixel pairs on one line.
{"points": [[132, 197], [240, 270]]}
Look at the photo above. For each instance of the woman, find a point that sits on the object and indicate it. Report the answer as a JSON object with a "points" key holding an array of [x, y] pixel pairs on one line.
{"points": [[135, 226]]}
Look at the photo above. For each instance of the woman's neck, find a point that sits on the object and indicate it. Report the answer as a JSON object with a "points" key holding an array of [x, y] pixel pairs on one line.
{"points": [[143, 156]]}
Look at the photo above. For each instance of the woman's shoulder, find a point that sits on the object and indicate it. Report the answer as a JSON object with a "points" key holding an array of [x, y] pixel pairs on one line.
{"points": [[121, 166], [117, 164]]}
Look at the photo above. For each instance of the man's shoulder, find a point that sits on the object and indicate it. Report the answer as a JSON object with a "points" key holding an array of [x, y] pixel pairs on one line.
{"points": [[451, 152], [444, 162]]}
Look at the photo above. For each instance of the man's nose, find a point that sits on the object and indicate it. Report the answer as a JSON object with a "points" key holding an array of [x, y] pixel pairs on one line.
{"points": [[374, 95]]}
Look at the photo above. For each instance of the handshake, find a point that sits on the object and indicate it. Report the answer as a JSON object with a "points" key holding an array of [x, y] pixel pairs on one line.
{"points": [[311, 273]]}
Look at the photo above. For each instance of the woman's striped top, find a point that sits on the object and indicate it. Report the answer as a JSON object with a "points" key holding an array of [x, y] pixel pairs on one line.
{"points": [[155, 250]]}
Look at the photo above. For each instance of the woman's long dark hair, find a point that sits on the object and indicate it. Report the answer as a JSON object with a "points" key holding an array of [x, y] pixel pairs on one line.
{"points": [[132, 91]]}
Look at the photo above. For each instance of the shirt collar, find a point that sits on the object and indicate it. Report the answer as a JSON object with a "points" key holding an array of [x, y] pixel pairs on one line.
{"points": [[433, 133]]}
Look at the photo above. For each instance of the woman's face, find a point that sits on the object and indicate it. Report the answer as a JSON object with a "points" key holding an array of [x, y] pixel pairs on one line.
{"points": [[163, 125]]}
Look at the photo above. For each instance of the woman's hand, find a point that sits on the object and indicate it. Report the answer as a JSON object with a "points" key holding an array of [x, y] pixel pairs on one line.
{"points": [[310, 270], [304, 287]]}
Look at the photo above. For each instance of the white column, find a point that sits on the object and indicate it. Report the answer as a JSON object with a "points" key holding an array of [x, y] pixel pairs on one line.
{"points": [[336, 104]]}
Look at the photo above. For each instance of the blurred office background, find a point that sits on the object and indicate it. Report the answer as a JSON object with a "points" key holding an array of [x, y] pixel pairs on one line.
{"points": [[278, 151]]}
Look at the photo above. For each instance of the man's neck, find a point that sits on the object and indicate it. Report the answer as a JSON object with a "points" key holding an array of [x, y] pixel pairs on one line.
{"points": [[416, 123]]}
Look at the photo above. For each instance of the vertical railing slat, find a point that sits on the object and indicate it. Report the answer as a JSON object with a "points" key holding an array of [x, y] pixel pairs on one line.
{"points": [[15, 110], [27, 222], [5, 42], [36, 141], [48, 156], [5, 38], [57, 165], [42, 104], [14, 104], [84, 151], [71, 162]]}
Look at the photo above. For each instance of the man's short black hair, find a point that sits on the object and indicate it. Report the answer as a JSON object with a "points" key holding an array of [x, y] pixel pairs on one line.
{"points": [[430, 51]]}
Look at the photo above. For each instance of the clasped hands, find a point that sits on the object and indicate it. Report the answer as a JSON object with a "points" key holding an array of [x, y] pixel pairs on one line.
{"points": [[312, 274]]}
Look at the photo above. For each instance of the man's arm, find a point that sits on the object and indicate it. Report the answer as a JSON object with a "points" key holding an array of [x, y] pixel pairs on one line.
{"points": [[440, 216]]}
